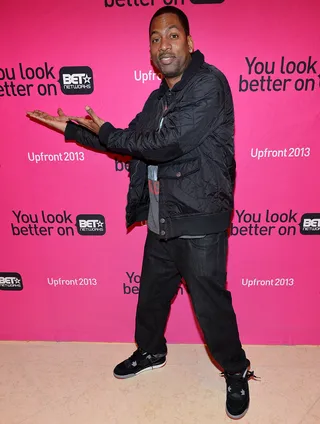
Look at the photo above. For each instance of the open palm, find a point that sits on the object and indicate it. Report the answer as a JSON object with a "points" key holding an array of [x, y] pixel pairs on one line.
{"points": [[58, 122], [93, 122]]}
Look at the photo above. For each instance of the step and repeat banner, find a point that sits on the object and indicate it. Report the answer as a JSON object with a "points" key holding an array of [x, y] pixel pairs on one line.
{"points": [[69, 269]]}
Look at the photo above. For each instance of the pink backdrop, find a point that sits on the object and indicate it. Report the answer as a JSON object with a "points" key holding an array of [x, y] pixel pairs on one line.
{"points": [[273, 267]]}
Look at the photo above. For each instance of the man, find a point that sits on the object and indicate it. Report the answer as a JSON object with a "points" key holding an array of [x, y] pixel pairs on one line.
{"points": [[182, 176]]}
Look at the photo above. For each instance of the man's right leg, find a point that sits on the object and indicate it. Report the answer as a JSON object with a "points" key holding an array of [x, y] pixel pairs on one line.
{"points": [[159, 284]]}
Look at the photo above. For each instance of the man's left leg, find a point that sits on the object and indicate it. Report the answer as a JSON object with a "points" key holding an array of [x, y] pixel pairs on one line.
{"points": [[202, 263]]}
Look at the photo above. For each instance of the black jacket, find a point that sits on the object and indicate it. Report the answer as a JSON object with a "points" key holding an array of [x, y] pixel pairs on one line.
{"points": [[194, 151]]}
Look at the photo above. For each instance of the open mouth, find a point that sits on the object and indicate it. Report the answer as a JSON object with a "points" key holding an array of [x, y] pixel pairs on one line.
{"points": [[166, 60]]}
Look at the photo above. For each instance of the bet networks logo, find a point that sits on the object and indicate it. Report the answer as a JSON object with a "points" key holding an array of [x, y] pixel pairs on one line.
{"points": [[76, 80], [46, 224], [26, 80], [10, 281], [147, 3], [310, 224], [270, 223], [91, 225]]}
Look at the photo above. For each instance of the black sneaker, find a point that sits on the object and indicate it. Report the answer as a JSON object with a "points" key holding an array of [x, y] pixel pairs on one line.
{"points": [[238, 398], [138, 362]]}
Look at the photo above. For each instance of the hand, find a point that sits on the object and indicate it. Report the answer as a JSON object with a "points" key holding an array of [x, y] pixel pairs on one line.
{"points": [[58, 122], [93, 123]]}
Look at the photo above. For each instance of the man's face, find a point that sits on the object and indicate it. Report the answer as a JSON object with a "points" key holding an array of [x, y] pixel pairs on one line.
{"points": [[170, 48]]}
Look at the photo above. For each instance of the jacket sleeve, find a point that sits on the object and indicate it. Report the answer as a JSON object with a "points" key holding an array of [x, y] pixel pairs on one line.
{"points": [[183, 129], [85, 137]]}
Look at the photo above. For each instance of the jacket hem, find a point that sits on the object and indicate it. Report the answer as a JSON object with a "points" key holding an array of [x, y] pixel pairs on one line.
{"points": [[192, 225], [195, 225]]}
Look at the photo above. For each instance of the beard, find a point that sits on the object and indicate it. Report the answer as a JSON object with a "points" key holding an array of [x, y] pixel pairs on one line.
{"points": [[174, 69], [170, 71]]}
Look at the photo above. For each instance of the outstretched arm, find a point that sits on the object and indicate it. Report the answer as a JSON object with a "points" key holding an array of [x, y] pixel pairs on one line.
{"points": [[183, 129], [85, 134]]}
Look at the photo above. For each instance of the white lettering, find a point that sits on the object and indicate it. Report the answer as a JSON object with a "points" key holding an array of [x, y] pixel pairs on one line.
{"points": [[88, 223], [44, 157], [308, 222], [146, 76], [72, 78], [10, 281], [267, 153]]}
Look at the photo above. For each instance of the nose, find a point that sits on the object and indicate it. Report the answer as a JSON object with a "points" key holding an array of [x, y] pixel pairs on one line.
{"points": [[164, 44]]}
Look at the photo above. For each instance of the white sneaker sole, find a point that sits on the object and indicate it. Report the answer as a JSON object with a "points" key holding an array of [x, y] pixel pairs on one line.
{"points": [[237, 417], [154, 367]]}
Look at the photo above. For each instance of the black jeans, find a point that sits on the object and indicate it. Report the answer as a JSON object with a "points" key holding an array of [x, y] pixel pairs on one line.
{"points": [[202, 264]]}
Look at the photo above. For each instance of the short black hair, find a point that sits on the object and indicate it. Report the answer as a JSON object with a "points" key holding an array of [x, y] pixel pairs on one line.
{"points": [[178, 12]]}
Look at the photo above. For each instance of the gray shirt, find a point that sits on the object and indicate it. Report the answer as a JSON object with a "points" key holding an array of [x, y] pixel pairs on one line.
{"points": [[154, 190]]}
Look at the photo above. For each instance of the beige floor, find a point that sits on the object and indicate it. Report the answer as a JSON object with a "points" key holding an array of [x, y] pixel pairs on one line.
{"points": [[72, 383]]}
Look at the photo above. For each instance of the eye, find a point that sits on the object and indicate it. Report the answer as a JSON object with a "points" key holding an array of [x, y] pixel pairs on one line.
{"points": [[155, 40], [174, 35]]}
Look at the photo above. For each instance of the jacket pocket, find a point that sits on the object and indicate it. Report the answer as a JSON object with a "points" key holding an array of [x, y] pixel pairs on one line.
{"points": [[178, 169]]}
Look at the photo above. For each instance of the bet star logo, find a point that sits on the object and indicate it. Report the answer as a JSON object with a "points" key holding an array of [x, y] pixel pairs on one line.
{"points": [[76, 80], [86, 79]]}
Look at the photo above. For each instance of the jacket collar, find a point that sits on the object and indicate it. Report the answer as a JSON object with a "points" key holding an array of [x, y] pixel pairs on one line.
{"points": [[197, 59]]}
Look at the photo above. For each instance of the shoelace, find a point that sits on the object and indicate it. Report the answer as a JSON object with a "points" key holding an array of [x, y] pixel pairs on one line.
{"points": [[238, 376], [250, 374], [235, 382], [247, 374]]}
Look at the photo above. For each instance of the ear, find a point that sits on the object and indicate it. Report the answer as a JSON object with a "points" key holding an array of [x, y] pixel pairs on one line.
{"points": [[190, 43]]}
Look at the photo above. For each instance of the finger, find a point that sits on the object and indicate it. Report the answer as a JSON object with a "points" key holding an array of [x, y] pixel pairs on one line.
{"points": [[91, 113], [38, 118], [33, 114], [39, 113], [60, 112]]}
